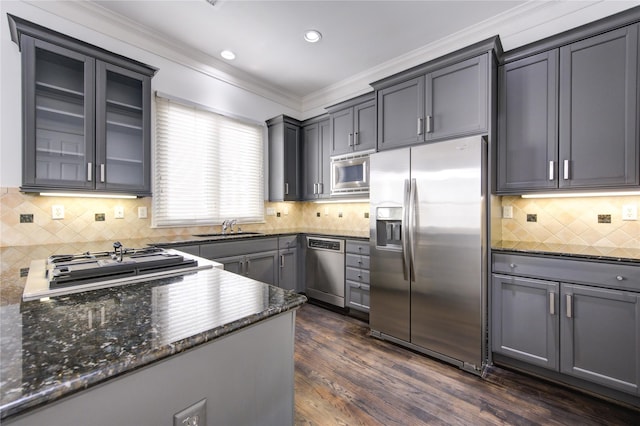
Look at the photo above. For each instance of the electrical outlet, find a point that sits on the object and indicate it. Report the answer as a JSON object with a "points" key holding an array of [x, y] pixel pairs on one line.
{"points": [[285, 211], [339, 214], [195, 415], [57, 211], [604, 218], [142, 212], [629, 212], [507, 212], [532, 217], [366, 215], [99, 217], [271, 211], [118, 212], [326, 211]]}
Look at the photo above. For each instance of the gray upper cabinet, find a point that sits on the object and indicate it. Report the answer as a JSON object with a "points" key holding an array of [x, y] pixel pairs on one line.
{"points": [[456, 99], [400, 112], [353, 125], [316, 172], [284, 159], [600, 333], [528, 123], [599, 111], [447, 102], [86, 115], [568, 116]]}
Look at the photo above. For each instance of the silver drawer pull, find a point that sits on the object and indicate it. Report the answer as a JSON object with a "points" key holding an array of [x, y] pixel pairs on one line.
{"points": [[551, 170], [620, 278], [552, 303], [566, 170], [569, 307], [512, 265], [89, 172]]}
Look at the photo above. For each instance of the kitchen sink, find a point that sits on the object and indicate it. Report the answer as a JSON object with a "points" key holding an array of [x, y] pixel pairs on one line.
{"points": [[230, 234]]}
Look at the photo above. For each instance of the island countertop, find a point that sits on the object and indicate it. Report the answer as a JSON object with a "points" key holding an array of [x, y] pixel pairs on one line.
{"points": [[56, 347]]}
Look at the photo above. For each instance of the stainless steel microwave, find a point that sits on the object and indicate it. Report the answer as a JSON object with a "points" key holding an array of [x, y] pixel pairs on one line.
{"points": [[350, 174]]}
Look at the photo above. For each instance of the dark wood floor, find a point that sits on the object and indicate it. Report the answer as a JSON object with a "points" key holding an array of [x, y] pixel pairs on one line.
{"points": [[345, 377]]}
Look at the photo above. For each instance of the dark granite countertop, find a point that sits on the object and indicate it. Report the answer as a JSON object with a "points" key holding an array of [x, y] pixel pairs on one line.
{"points": [[53, 348], [609, 254]]}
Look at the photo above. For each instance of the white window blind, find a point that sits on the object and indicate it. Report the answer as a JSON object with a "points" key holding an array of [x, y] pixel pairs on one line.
{"points": [[208, 167]]}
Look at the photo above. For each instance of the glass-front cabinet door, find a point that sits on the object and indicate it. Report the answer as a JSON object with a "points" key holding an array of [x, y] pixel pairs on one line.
{"points": [[122, 109], [58, 116]]}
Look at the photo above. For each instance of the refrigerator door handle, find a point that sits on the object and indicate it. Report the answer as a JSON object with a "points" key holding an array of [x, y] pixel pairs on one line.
{"points": [[412, 228], [405, 230]]}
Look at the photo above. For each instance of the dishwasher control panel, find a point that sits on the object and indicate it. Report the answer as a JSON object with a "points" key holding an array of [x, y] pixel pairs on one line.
{"points": [[325, 244]]}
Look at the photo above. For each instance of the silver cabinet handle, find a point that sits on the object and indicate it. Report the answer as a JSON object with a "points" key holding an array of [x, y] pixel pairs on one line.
{"points": [[566, 169], [419, 126], [429, 124], [619, 278], [282, 260], [552, 303], [315, 188], [89, 172], [551, 169], [512, 265], [350, 139], [286, 189], [102, 172], [569, 307], [247, 265], [355, 139], [320, 188]]}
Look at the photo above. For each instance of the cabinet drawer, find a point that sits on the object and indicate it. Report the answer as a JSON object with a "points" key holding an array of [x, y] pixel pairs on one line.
{"points": [[619, 276], [358, 296], [357, 275], [358, 247], [358, 261], [289, 241]]}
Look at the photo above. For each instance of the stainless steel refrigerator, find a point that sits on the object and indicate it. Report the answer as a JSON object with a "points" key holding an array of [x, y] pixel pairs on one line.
{"points": [[429, 247]]}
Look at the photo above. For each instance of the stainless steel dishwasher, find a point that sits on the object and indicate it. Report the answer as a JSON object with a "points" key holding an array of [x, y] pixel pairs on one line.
{"points": [[325, 270]]}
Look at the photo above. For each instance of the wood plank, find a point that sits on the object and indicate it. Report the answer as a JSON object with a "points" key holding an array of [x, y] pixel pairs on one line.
{"points": [[345, 377]]}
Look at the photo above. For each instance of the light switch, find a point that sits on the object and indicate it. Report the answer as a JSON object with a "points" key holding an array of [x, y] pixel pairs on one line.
{"points": [[118, 212], [57, 211], [629, 212], [507, 212], [142, 212]]}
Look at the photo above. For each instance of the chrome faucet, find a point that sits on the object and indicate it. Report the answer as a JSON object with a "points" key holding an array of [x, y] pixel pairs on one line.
{"points": [[228, 224], [232, 222]]}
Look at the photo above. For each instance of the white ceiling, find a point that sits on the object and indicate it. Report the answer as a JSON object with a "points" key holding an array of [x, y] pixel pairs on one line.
{"points": [[363, 41], [267, 35]]}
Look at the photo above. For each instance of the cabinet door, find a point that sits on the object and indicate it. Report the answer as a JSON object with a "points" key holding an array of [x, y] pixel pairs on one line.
{"points": [[324, 177], [59, 121], [527, 123], [288, 269], [364, 130], [262, 267], [357, 296], [123, 137], [291, 162], [599, 111], [401, 114], [310, 161], [233, 264], [600, 332], [342, 131], [457, 99], [525, 320]]}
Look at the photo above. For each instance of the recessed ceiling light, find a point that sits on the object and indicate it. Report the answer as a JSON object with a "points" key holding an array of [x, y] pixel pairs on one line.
{"points": [[312, 36], [228, 55]]}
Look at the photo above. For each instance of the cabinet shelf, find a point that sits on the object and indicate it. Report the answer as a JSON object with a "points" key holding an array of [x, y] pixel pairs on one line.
{"points": [[124, 125], [123, 105], [58, 152], [58, 89], [59, 112], [123, 160]]}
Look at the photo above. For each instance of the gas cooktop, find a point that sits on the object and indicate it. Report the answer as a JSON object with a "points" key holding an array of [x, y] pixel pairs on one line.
{"points": [[65, 274]]}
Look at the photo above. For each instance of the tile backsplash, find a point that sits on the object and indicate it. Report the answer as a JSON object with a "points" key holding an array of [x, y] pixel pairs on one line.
{"points": [[571, 221], [79, 223]]}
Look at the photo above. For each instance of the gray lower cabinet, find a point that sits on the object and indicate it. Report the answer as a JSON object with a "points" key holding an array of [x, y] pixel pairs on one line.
{"points": [[357, 275], [574, 317], [259, 266], [600, 335], [284, 159], [568, 117], [255, 258], [444, 103], [353, 125], [525, 319], [289, 263], [316, 167], [86, 115]]}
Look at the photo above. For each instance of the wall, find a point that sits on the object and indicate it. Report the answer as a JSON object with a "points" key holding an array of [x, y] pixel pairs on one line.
{"points": [[571, 221]]}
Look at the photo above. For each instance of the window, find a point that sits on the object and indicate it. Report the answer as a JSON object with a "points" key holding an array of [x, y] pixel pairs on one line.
{"points": [[208, 167]]}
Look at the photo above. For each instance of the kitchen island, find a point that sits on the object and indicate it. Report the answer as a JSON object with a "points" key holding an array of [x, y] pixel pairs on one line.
{"points": [[139, 353]]}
